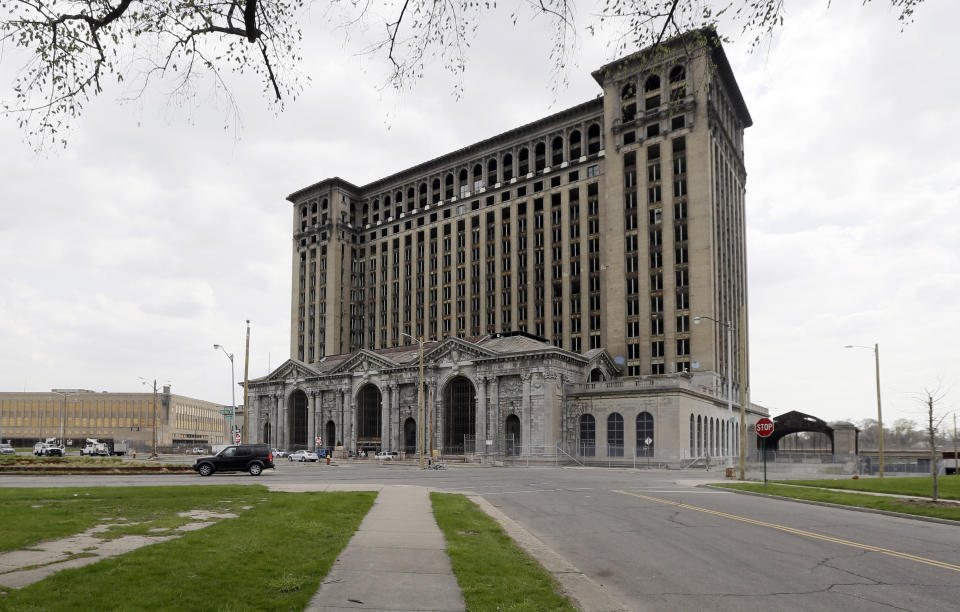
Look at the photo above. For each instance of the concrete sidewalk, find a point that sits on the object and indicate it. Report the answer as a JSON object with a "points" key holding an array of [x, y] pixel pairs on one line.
{"points": [[395, 561]]}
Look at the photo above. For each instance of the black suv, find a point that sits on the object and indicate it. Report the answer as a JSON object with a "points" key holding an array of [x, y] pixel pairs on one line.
{"points": [[253, 458]]}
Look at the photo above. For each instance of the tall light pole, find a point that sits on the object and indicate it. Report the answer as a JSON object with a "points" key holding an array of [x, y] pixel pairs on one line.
{"points": [[233, 397], [420, 423], [147, 382], [64, 393], [729, 326], [876, 359]]}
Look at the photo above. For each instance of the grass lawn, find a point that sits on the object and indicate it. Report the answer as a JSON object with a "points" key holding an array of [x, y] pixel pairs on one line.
{"points": [[493, 572], [918, 507], [921, 486], [272, 557]]}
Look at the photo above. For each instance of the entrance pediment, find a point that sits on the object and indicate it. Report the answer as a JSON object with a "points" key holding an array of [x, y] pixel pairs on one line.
{"points": [[363, 361], [455, 350], [290, 369]]}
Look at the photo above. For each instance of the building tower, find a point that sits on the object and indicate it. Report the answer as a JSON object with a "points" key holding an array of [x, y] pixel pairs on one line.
{"points": [[610, 224]]}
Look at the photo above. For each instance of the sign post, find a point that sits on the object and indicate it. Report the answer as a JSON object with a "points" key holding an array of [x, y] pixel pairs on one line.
{"points": [[764, 428], [647, 444]]}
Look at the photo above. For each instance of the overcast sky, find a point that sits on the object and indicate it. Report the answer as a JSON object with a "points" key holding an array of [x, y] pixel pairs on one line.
{"points": [[161, 228]]}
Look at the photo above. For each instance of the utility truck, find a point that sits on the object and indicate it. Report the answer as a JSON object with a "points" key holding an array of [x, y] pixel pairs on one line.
{"points": [[95, 447]]}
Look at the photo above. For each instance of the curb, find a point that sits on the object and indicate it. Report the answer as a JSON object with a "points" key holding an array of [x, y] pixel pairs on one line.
{"points": [[916, 517], [586, 593]]}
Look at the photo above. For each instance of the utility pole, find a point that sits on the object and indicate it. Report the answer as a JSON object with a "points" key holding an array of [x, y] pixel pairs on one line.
{"points": [[743, 391], [876, 356], [246, 382], [154, 419]]}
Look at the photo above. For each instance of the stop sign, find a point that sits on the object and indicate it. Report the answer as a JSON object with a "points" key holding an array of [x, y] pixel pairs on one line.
{"points": [[764, 427]]}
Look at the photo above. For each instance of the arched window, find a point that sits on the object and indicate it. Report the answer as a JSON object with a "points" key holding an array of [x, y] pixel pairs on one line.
{"points": [[303, 212], [410, 436], [699, 436], [652, 83], [512, 442], [464, 184], [588, 435], [651, 93], [436, 190], [448, 186], [540, 157], [628, 102], [677, 74], [313, 208], [411, 199], [693, 445], [644, 433], [593, 139], [386, 204], [492, 171], [615, 435], [575, 145], [596, 375], [556, 153], [477, 177], [523, 161], [507, 167]]}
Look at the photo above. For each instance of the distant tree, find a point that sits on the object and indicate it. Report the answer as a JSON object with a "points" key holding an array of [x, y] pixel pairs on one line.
{"points": [[930, 399], [74, 47]]}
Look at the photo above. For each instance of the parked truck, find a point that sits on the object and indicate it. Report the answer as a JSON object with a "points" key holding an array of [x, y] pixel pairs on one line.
{"points": [[118, 448], [95, 447]]}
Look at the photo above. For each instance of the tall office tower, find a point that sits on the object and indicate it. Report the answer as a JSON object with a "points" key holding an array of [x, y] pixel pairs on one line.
{"points": [[611, 224]]}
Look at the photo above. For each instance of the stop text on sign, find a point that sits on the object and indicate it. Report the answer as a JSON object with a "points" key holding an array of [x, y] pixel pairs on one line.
{"points": [[764, 427]]}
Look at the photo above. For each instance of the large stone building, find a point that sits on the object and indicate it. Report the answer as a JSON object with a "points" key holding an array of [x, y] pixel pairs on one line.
{"points": [[77, 414], [597, 234]]}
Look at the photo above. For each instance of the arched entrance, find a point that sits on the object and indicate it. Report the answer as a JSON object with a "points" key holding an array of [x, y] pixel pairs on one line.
{"points": [[298, 420], [596, 375], [459, 414], [330, 435], [410, 436], [511, 430], [368, 418]]}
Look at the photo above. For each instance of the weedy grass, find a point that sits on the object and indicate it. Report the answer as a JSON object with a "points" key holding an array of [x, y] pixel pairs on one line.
{"points": [[493, 572], [53, 513], [272, 557], [920, 507], [948, 487]]}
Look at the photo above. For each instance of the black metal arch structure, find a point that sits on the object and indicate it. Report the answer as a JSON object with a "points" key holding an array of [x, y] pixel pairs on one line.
{"points": [[795, 422]]}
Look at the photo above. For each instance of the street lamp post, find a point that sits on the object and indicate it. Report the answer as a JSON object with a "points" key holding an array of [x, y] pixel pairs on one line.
{"points": [[729, 326], [233, 398], [420, 423], [876, 358], [147, 382]]}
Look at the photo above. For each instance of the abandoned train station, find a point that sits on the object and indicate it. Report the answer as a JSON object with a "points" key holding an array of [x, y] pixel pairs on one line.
{"points": [[580, 281]]}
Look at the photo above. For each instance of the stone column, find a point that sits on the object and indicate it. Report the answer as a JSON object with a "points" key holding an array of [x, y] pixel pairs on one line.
{"points": [[386, 398], [338, 414], [394, 410], [282, 424], [436, 404], [495, 425], [351, 410], [253, 420], [311, 420], [526, 414], [481, 426], [275, 422]]}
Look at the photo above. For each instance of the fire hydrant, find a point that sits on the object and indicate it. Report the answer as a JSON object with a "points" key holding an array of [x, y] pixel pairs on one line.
{"points": [[328, 459], [134, 454]]}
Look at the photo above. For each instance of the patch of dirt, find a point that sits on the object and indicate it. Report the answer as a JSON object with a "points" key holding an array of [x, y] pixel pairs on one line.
{"points": [[20, 568]]}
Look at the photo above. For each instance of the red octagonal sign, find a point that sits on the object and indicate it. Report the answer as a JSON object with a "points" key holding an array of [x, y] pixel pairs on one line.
{"points": [[764, 427]]}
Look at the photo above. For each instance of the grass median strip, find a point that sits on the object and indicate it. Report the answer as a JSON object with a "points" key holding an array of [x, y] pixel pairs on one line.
{"points": [[271, 557], [918, 506], [922, 486], [493, 572]]}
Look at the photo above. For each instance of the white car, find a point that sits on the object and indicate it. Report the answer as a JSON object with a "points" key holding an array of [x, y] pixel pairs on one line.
{"points": [[387, 455], [6, 449], [303, 455]]}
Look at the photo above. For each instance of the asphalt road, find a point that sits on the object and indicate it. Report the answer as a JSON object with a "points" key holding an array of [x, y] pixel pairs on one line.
{"points": [[656, 541]]}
